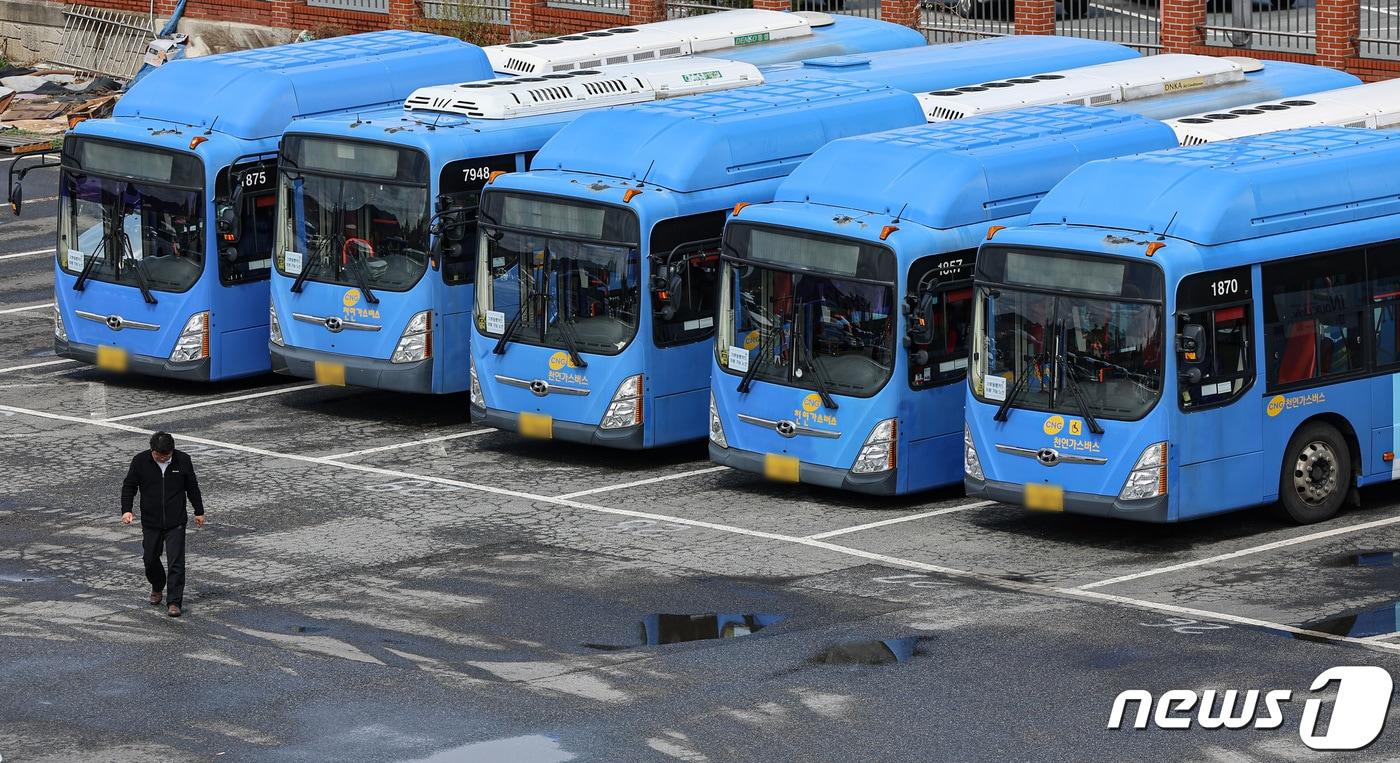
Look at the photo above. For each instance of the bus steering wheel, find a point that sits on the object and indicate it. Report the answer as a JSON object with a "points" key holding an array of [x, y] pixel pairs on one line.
{"points": [[345, 249]]}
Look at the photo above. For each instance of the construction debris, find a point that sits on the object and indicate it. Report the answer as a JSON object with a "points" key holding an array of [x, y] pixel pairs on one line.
{"points": [[49, 101]]}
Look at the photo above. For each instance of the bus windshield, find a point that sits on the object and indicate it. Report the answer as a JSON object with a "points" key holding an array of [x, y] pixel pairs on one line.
{"points": [[131, 215], [558, 273], [1067, 333], [785, 323], [353, 214]]}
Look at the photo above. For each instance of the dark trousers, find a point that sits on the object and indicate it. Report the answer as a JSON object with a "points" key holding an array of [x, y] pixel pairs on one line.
{"points": [[154, 539]]}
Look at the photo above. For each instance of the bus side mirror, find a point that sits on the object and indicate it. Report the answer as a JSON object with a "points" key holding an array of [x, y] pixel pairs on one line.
{"points": [[16, 198], [918, 314], [667, 290], [1189, 346]]}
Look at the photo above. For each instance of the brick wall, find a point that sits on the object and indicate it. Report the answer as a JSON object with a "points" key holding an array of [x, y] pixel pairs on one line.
{"points": [[1181, 23]]}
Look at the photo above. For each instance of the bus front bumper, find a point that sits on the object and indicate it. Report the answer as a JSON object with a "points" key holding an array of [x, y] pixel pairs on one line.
{"points": [[1150, 510], [359, 372], [630, 438], [880, 483], [144, 365]]}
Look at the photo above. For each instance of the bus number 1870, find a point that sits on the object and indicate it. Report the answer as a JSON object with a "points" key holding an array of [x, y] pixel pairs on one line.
{"points": [[1225, 287]]}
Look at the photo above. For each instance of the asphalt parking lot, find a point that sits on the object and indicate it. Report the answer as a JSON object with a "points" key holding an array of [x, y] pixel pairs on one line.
{"points": [[381, 579]]}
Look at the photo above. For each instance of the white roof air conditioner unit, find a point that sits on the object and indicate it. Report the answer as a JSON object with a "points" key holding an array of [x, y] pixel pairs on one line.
{"points": [[1098, 85], [584, 88], [649, 42], [1373, 106]]}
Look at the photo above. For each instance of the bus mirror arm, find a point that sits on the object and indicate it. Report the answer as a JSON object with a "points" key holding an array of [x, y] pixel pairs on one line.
{"points": [[1188, 348]]}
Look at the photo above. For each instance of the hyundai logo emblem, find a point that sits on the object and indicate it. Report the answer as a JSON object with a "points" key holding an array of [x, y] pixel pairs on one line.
{"points": [[1047, 456], [334, 325], [539, 387], [114, 322], [786, 428]]}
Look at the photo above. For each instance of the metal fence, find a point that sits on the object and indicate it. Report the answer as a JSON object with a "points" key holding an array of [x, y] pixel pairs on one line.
{"points": [[363, 6], [619, 7], [958, 20], [1380, 29], [1135, 23], [467, 12], [868, 8], [102, 41], [1285, 25], [680, 9]]}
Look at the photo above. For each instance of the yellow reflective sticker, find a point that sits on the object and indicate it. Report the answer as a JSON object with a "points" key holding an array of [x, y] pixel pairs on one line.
{"points": [[536, 425], [1042, 497], [331, 374], [111, 358], [781, 468]]}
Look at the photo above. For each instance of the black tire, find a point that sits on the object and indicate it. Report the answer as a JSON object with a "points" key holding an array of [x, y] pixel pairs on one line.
{"points": [[1315, 476], [1076, 9]]}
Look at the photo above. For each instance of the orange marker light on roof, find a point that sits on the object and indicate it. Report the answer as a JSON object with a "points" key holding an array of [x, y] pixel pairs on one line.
{"points": [[738, 207], [992, 231], [494, 174], [887, 230], [630, 194], [1154, 246], [196, 140]]}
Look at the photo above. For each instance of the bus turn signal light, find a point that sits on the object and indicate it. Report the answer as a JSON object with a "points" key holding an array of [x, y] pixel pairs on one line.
{"points": [[630, 194], [738, 207], [993, 230], [196, 140], [1388, 456], [494, 174], [1154, 246], [887, 230]]}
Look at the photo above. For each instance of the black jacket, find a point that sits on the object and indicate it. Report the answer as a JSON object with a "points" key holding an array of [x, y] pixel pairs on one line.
{"points": [[162, 495]]}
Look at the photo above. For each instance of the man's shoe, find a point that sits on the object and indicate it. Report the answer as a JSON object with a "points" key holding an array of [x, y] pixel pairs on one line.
{"points": [[155, 597], [174, 610]]}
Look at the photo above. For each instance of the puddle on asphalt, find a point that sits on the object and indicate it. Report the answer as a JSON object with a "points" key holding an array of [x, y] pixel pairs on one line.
{"points": [[1377, 558], [1379, 621], [21, 578], [873, 652], [675, 629], [535, 748]]}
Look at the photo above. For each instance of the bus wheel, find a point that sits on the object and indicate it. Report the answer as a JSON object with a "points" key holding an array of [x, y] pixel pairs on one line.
{"points": [[1316, 474]]}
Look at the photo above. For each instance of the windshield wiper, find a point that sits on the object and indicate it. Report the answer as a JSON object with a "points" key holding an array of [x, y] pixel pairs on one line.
{"points": [[136, 268], [537, 290], [357, 265], [91, 262], [566, 331], [1021, 382], [764, 348], [804, 355], [1078, 393], [306, 268]]}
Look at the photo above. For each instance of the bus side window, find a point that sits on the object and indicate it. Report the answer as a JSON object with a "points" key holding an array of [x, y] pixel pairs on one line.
{"points": [[1221, 303], [1313, 309], [1383, 263], [938, 318], [250, 257], [684, 277]]}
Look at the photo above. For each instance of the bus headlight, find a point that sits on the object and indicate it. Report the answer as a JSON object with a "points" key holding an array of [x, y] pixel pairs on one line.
{"points": [[478, 400], [625, 410], [58, 330], [416, 341], [972, 465], [877, 455], [1148, 479], [273, 326], [716, 426], [193, 343]]}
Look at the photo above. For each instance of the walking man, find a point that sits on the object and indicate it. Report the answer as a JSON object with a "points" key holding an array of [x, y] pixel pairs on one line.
{"points": [[165, 477]]}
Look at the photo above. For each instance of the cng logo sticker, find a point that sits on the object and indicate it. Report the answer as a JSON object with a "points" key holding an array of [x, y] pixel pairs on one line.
{"points": [[561, 360], [351, 298], [1275, 406], [811, 403], [751, 340], [1054, 425], [811, 413]]}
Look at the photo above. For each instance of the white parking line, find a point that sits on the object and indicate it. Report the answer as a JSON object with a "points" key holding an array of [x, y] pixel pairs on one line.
{"points": [[1125, 12], [36, 365], [34, 253], [1309, 538], [26, 308], [897, 520], [992, 580], [638, 483], [206, 403], [396, 446]]}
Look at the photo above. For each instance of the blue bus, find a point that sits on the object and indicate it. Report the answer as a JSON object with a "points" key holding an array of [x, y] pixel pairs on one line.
{"points": [[407, 328], [596, 276], [1186, 332], [165, 223], [903, 405], [841, 337]]}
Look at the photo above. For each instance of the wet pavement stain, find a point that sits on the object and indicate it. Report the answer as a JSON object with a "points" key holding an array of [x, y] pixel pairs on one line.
{"points": [[676, 629], [535, 748], [873, 652], [1378, 621], [1376, 558]]}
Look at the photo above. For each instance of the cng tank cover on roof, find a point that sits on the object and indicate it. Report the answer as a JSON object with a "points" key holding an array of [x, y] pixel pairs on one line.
{"points": [[256, 93], [648, 42], [1235, 190], [725, 139]]}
